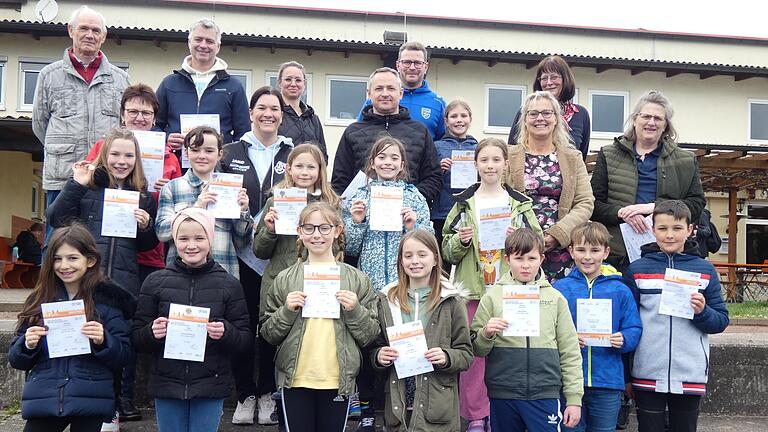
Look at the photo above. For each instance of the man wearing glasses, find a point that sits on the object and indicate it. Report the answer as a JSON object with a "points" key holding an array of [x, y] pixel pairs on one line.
{"points": [[422, 103]]}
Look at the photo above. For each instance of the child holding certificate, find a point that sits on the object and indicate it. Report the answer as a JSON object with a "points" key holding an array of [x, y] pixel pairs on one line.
{"points": [[479, 265], [305, 169], [74, 390], [189, 394], [320, 312], [678, 294], [606, 320], [526, 372], [429, 400]]}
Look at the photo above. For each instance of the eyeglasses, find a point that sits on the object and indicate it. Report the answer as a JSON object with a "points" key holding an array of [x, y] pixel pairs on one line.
{"points": [[289, 80], [135, 113], [533, 114], [309, 229], [648, 117], [415, 63], [550, 77]]}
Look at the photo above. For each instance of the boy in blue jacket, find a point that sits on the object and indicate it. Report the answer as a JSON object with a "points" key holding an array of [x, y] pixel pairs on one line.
{"points": [[663, 380], [602, 365]]}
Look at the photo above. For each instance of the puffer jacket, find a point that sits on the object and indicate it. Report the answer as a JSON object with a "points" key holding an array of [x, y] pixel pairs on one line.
{"points": [[303, 128], [69, 115], [436, 398], [377, 250], [530, 367], [673, 353], [614, 184], [355, 328], [467, 258], [118, 254], [79, 385], [206, 286], [602, 366], [359, 137], [444, 201]]}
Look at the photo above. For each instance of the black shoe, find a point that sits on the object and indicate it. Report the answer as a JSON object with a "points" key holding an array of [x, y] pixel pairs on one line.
{"points": [[128, 411], [367, 424], [622, 422]]}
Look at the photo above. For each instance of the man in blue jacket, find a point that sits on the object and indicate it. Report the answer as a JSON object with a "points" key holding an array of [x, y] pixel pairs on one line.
{"points": [[423, 104], [202, 86]]}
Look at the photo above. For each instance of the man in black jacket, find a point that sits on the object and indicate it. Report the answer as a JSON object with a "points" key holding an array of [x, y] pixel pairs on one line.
{"points": [[29, 244], [386, 116]]}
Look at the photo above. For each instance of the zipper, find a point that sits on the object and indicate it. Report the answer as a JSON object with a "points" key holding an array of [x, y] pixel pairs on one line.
{"points": [[289, 379], [112, 243], [386, 257], [589, 348], [706, 357], [669, 354], [528, 367], [61, 398], [186, 367]]}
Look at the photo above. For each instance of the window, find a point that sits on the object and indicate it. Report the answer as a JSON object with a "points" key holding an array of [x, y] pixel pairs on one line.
{"points": [[502, 103], [271, 80], [244, 77], [3, 60], [608, 110], [29, 69], [758, 122], [35, 195], [346, 96]]}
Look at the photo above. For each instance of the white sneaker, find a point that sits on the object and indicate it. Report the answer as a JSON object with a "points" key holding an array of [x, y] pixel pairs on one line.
{"points": [[244, 412], [266, 408], [113, 426]]}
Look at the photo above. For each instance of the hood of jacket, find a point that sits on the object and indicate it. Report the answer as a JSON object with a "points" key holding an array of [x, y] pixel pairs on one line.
{"points": [[606, 270], [218, 65], [691, 247], [540, 279], [370, 116], [469, 192], [447, 289]]}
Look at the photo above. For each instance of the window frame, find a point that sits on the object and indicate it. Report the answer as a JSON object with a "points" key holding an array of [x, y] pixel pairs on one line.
{"points": [[500, 130], [606, 134], [248, 74], [36, 187], [3, 73], [307, 87], [750, 102], [28, 64], [330, 121]]}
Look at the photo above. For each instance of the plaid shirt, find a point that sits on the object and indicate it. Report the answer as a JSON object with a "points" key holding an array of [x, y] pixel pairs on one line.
{"points": [[181, 193]]}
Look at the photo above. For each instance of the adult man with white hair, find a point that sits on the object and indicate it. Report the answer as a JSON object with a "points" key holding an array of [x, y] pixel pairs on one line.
{"points": [[77, 100], [202, 86]]}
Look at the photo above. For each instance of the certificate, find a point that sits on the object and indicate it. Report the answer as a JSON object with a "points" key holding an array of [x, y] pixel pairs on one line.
{"points": [[186, 335], [227, 187], [321, 283], [676, 294], [463, 171], [492, 230], [152, 146], [409, 341], [118, 219], [289, 203], [386, 205], [521, 309], [65, 328], [187, 122], [633, 241], [594, 321]]}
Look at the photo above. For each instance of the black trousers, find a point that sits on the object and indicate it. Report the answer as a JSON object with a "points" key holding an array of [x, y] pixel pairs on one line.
{"points": [[58, 424], [651, 407], [243, 364], [310, 410]]}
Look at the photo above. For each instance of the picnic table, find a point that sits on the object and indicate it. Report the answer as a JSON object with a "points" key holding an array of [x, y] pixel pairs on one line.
{"points": [[743, 282]]}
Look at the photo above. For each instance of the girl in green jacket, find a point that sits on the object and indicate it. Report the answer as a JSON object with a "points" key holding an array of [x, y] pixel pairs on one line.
{"points": [[424, 298], [319, 313]]}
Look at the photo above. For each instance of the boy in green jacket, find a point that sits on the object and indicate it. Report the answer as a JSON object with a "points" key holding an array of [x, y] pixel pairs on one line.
{"points": [[524, 328]]}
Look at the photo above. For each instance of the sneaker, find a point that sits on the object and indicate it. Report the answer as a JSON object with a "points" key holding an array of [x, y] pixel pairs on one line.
{"points": [[266, 408], [113, 426], [244, 412], [354, 406], [476, 426], [367, 424], [128, 411]]}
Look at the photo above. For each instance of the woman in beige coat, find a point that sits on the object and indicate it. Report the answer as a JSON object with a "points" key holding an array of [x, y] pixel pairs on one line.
{"points": [[547, 168]]}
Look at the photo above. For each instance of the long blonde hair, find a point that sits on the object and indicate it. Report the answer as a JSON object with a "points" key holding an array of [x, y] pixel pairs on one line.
{"points": [[332, 216], [559, 134], [399, 293], [322, 184], [136, 180]]}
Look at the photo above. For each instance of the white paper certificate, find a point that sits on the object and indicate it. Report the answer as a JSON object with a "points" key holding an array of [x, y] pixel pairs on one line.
{"points": [[676, 295], [594, 321], [409, 341], [289, 203], [118, 219], [152, 146], [633, 241], [65, 328], [186, 335], [227, 187], [520, 307], [463, 171], [187, 122], [386, 205], [494, 222], [321, 283]]}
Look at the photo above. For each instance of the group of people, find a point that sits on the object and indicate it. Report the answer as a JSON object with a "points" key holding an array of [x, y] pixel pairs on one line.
{"points": [[438, 272]]}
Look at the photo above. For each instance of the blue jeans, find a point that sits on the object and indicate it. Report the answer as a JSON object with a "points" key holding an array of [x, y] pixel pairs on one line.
{"points": [[599, 410], [194, 415], [50, 197]]}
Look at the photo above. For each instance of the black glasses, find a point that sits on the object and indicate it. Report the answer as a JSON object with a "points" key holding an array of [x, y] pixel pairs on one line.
{"points": [[135, 113], [309, 229], [415, 63], [534, 114]]}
